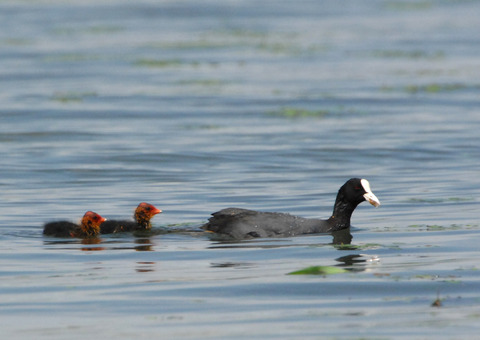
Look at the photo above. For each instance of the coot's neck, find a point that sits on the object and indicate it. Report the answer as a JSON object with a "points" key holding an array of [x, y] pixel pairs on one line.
{"points": [[342, 212], [142, 220]]}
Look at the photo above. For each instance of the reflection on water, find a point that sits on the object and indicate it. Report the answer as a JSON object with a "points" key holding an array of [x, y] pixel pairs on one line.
{"points": [[145, 267], [89, 242], [143, 244], [356, 262], [342, 237], [104, 243], [240, 265]]}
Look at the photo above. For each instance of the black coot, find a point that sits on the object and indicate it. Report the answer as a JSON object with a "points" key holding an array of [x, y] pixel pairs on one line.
{"points": [[242, 223]]}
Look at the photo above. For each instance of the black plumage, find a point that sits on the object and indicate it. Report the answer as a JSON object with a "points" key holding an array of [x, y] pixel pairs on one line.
{"points": [[240, 223]]}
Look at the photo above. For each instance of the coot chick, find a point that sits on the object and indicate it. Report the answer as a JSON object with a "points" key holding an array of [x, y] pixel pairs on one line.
{"points": [[143, 214], [242, 223], [88, 227]]}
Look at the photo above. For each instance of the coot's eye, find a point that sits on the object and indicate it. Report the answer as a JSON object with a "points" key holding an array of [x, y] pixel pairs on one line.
{"points": [[357, 188]]}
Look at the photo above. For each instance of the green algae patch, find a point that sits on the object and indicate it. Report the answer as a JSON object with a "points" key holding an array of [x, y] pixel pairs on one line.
{"points": [[72, 97], [202, 82], [319, 270], [294, 112], [363, 246], [408, 54], [440, 200], [105, 29], [158, 63], [434, 88]]}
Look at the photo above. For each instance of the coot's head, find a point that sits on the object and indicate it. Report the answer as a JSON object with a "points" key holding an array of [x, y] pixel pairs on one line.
{"points": [[357, 190], [144, 213], [91, 223]]}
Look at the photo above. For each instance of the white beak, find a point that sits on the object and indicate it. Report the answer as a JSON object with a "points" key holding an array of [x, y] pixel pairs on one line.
{"points": [[372, 199], [369, 196]]}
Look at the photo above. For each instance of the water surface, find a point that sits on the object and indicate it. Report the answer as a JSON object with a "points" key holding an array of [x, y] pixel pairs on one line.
{"points": [[195, 107]]}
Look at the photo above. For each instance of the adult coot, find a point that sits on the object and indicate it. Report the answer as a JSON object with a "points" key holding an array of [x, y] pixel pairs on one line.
{"points": [[242, 223], [88, 227], [143, 214]]}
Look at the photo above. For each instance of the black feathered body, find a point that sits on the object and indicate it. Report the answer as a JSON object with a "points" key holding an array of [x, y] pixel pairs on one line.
{"points": [[242, 223], [61, 229], [117, 226]]}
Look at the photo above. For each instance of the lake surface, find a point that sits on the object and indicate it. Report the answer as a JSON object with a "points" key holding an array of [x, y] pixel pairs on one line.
{"points": [[195, 106]]}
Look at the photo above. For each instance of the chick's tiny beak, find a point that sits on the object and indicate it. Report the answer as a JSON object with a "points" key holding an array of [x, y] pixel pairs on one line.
{"points": [[372, 199], [156, 211]]}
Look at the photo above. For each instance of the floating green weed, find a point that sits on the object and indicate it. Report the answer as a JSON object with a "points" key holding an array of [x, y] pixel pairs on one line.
{"points": [[425, 200], [459, 199], [159, 63], [319, 270], [363, 246], [286, 47], [190, 44], [426, 277], [436, 227], [452, 281], [201, 127], [345, 246], [293, 112], [98, 29], [284, 43], [68, 97], [470, 268], [282, 47], [440, 227], [15, 42], [101, 29], [434, 88], [414, 54], [440, 200], [71, 57], [276, 47]]}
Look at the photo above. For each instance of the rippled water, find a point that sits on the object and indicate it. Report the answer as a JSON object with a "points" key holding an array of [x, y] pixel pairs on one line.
{"points": [[198, 106]]}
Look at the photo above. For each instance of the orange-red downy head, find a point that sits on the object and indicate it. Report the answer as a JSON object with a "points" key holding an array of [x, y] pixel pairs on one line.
{"points": [[91, 222], [144, 213], [148, 209]]}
